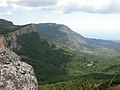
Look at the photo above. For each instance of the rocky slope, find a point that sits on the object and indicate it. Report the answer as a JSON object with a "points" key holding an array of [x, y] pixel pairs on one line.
{"points": [[14, 74], [10, 40]]}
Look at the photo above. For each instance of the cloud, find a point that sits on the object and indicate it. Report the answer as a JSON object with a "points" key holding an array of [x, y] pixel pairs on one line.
{"points": [[34, 3], [64, 6], [3, 3], [91, 6], [47, 16], [19, 7]]}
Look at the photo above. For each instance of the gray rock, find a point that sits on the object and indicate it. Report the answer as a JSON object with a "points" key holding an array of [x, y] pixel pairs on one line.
{"points": [[14, 74]]}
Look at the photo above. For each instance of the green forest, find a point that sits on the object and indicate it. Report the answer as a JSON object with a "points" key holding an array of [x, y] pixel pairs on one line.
{"points": [[60, 68]]}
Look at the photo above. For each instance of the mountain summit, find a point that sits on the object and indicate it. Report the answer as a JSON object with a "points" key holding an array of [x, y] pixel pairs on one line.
{"points": [[60, 34]]}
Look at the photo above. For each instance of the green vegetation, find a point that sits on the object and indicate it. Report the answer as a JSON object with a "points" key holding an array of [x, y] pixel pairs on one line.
{"points": [[63, 35], [66, 60], [5, 29], [89, 82], [70, 85], [51, 63], [8, 28], [52, 32], [45, 57], [59, 68]]}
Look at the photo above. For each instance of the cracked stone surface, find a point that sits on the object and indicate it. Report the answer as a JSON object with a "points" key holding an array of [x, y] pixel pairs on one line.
{"points": [[15, 74]]}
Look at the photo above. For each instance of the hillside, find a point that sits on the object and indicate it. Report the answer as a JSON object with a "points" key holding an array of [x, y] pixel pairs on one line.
{"points": [[7, 27], [53, 61], [63, 59], [65, 36], [55, 64], [14, 74], [5, 22], [116, 41]]}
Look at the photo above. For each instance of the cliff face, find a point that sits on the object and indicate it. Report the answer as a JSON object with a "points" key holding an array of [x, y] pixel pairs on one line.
{"points": [[10, 40], [14, 74]]}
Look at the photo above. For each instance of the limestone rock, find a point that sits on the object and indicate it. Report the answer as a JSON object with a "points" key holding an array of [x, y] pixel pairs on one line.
{"points": [[14, 74]]}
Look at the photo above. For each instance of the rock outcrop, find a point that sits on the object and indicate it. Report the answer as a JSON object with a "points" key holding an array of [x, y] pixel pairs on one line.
{"points": [[10, 40], [1, 42], [15, 74]]}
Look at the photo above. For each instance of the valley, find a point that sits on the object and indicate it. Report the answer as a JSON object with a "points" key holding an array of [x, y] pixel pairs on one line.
{"points": [[63, 59]]}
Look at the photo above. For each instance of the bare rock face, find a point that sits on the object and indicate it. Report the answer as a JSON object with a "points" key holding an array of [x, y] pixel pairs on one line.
{"points": [[14, 74]]}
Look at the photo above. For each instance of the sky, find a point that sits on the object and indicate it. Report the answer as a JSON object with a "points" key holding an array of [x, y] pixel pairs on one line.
{"points": [[90, 18]]}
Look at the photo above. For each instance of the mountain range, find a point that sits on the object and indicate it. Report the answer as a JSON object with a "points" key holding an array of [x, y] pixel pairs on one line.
{"points": [[62, 58], [65, 36]]}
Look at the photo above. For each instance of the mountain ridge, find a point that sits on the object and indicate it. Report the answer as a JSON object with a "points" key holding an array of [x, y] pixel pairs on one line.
{"points": [[6, 22], [63, 35], [58, 55]]}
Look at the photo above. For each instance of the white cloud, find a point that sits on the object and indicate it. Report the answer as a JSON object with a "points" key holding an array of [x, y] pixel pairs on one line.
{"points": [[3, 3], [19, 7], [34, 3], [90, 6], [6, 13], [65, 6], [47, 16]]}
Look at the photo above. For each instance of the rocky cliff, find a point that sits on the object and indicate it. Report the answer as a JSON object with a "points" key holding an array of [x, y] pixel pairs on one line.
{"points": [[14, 74], [10, 40]]}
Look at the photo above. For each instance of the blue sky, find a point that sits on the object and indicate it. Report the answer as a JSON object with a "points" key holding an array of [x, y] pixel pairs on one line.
{"points": [[91, 18]]}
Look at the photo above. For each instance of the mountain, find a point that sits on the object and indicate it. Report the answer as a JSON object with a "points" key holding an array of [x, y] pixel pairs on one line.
{"points": [[63, 59], [60, 34], [5, 22], [7, 27], [14, 74], [116, 41], [10, 40], [65, 36]]}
